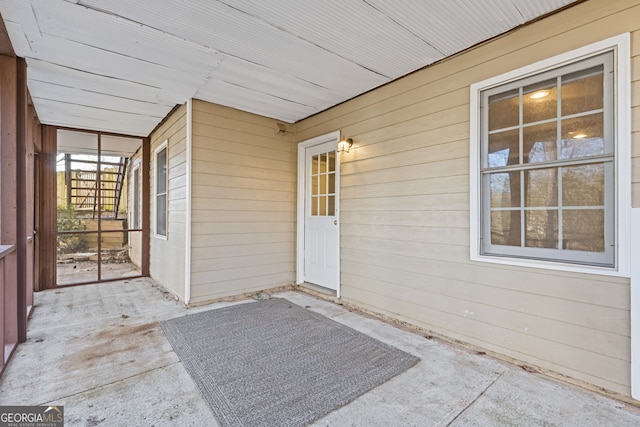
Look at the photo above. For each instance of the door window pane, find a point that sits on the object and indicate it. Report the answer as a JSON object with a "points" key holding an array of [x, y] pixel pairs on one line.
{"points": [[332, 183], [323, 205], [332, 161]]}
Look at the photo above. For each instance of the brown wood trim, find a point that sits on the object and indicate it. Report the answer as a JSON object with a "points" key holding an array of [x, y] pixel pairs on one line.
{"points": [[124, 230], [99, 132], [21, 194], [6, 250], [6, 48], [163, 121], [146, 205], [8, 202], [93, 282], [47, 209]]}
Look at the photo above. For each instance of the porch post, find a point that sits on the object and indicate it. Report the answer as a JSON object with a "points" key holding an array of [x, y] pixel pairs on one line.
{"points": [[146, 205], [21, 194], [8, 204], [47, 208]]}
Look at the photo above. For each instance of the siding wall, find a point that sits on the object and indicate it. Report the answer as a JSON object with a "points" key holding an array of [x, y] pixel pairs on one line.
{"points": [[167, 257], [243, 203], [405, 212]]}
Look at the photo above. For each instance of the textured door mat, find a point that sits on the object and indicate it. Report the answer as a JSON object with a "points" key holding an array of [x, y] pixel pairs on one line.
{"points": [[273, 363]]}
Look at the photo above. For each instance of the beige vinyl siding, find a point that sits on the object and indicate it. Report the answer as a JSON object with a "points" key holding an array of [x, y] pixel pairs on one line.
{"points": [[243, 203], [405, 212], [167, 257], [635, 115]]}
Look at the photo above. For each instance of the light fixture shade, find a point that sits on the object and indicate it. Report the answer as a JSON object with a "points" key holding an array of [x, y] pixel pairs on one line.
{"points": [[345, 145]]}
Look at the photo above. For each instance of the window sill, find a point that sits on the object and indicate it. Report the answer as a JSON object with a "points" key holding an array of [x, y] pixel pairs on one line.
{"points": [[548, 265]]}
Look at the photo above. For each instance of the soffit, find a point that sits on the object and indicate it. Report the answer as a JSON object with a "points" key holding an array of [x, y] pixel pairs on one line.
{"points": [[120, 66]]}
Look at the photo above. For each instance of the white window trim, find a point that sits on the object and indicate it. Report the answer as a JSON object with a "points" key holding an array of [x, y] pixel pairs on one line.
{"points": [[621, 46], [136, 219], [159, 148]]}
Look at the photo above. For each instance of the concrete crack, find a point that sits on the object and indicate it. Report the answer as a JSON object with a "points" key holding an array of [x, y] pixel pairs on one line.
{"points": [[110, 383], [475, 400]]}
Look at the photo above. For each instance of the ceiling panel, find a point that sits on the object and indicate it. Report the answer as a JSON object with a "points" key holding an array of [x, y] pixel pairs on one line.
{"points": [[340, 27], [68, 115], [72, 142], [453, 25], [42, 71], [110, 33], [253, 101], [236, 33], [121, 66]]}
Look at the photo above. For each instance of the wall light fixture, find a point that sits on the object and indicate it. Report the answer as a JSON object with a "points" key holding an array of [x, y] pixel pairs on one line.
{"points": [[345, 145]]}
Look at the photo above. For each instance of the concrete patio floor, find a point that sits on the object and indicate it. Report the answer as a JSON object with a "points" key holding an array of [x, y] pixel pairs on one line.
{"points": [[99, 351]]}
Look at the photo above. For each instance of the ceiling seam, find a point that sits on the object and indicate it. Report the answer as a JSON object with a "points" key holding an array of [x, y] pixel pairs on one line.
{"points": [[403, 27], [209, 74], [28, 58], [95, 108], [101, 93], [305, 40], [95, 9], [144, 61]]}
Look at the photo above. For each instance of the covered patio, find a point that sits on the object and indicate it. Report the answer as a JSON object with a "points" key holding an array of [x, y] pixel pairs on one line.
{"points": [[99, 351], [460, 180]]}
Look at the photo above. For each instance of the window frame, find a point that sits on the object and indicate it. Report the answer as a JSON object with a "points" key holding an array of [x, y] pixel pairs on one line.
{"points": [[620, 46], [136, 192], [161, 147]]}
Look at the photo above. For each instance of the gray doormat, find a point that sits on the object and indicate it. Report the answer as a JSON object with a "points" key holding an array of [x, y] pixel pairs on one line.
{"points": [[273, 363]]}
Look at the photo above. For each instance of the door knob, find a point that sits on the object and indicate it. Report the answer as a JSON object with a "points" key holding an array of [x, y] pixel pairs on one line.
{"points": [[335, 222]]}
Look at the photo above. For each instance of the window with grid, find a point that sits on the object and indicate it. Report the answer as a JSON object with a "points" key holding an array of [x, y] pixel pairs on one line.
{"points": [[547, 165], [136, 198], [161, 191], [323, 184]]}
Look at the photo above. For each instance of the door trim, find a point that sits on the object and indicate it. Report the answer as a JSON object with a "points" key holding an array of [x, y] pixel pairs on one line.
{"points": [[302, 149]]}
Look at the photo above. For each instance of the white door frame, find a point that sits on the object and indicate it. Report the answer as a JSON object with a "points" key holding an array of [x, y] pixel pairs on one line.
{"points": [[301, 217]]}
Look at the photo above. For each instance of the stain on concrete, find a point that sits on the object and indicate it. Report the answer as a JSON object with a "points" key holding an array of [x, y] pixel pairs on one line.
{"points": [[118, 342]]}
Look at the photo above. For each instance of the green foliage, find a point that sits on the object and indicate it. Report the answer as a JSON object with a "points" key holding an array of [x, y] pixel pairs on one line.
{"points": [[68, 221]]}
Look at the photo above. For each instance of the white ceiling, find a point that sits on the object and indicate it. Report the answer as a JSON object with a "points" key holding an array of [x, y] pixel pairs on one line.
{"points": [[122, 65], [73, 142]]}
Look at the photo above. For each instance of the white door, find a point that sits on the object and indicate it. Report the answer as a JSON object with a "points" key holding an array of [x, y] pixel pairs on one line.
{"points": [[321, 199]]}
